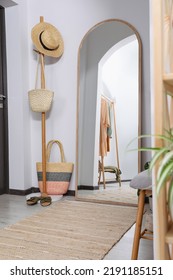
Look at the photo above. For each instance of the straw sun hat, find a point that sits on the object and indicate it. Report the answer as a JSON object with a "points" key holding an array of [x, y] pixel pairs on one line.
{"points": [[47, 39]]}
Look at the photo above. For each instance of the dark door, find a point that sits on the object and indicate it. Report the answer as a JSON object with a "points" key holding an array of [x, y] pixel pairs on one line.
{"points": [[3, 109]]}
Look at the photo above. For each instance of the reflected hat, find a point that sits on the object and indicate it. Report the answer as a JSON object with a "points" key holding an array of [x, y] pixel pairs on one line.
{"points": [[47, 39]]}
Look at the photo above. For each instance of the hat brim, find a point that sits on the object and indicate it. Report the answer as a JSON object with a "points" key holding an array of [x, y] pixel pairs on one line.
{"points": [[35, 35]]}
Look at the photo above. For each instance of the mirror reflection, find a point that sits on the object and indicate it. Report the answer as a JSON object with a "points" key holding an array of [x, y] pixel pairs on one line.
{"points": [[108, 113]]}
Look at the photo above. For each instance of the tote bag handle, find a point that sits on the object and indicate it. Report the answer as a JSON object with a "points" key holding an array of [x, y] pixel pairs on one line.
{"points": [[49, 147]]}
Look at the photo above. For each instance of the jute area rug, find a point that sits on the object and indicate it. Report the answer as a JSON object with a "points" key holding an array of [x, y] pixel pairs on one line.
{"points": [[67, 230], [113, 192]]}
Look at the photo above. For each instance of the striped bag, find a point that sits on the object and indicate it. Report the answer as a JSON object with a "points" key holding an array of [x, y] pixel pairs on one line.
{"points": [[58, 174]]}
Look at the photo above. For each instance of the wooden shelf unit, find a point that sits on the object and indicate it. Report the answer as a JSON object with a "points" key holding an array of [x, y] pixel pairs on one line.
{"points": [[168, 83], [162, 86], [169, 236], [168, 78]]}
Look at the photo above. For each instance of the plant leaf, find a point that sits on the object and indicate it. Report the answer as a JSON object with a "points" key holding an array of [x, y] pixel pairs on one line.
{"points": [[164, 176], [139, 137], [150, 149], [170, 198], [145, 149], [160, 136], [157, 155], [166, 160], [164, 137]]}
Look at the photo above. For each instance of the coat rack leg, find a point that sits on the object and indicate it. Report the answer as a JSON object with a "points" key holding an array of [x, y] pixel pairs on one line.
{"points": [[43, 114], [103, 172], [44, 153], [116, 143]]}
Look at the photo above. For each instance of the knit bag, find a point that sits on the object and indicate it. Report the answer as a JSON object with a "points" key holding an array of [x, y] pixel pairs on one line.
{"points": [[58, 174], [40, 99]]}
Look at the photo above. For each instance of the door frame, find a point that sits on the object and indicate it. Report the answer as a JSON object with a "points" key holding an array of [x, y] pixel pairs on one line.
{"points": [[5, 109]]}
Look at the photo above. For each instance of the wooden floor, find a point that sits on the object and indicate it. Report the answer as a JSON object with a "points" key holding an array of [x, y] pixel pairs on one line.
{"points": [[13, 208]]}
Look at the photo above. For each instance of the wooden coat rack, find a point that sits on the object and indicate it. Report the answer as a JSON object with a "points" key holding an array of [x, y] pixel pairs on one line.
{"points": [[52, 45], [116, 143], [43, 124]]}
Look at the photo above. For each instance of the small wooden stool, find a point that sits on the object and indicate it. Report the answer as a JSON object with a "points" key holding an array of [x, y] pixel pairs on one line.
{"points": [[143, 183]]}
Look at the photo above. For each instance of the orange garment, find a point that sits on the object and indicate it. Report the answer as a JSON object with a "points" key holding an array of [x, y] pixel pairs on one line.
{"points": [[104, 124]]}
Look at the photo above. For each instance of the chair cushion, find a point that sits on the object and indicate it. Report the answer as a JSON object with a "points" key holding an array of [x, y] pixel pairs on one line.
{"points": [[142, 181], [112, 169]]}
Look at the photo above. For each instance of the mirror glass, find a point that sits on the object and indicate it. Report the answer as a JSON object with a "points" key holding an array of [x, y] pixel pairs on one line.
{"points": [[108, 113]]}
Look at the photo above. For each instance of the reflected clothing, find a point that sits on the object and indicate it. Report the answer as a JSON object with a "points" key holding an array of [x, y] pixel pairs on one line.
{"points": [[104, 124], [109, 129]]}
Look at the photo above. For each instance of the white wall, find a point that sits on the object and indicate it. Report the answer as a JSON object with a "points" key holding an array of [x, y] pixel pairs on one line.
{"points": [[120, 74], [73, 19]]}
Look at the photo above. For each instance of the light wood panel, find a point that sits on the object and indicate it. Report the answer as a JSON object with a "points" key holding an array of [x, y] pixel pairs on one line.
{"points": [[163, 85]]}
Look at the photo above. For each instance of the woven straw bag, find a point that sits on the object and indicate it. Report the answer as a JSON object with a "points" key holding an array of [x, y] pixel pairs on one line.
{"points": [[58, 174], [40, 100]]}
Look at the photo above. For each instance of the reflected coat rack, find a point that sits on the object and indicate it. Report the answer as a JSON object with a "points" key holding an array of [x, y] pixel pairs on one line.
{"points": [[103, 168]]}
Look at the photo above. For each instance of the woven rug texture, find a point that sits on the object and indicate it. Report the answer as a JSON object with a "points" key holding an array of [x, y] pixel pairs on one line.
{"points": [[67, 230], [115, 193]]}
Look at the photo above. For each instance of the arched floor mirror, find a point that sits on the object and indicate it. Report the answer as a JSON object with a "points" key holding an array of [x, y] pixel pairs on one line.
{"points": [[109, 69]]}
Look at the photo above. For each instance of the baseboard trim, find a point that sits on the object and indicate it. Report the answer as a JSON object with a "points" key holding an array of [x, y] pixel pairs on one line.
{"points": [[84, 187], [34, 190], [70, 193], [23, 192], [114, 181]]}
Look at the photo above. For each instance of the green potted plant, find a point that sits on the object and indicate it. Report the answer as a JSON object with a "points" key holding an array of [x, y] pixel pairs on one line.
{"points": [[163, 157]]}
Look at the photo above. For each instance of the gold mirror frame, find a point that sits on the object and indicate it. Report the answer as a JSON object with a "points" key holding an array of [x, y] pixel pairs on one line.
{"points": [[139, 108]]}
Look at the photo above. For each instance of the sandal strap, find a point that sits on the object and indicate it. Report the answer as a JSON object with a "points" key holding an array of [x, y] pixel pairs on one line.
{"points": [[46, 199], [32, 200]]}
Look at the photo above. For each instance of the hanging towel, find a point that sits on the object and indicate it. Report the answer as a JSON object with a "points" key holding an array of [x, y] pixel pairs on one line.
{"points": [[109, 129], [104, 124]]}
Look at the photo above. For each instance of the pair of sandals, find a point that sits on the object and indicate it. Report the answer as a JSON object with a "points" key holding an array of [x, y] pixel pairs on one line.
{"points": [[44, 200]]}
